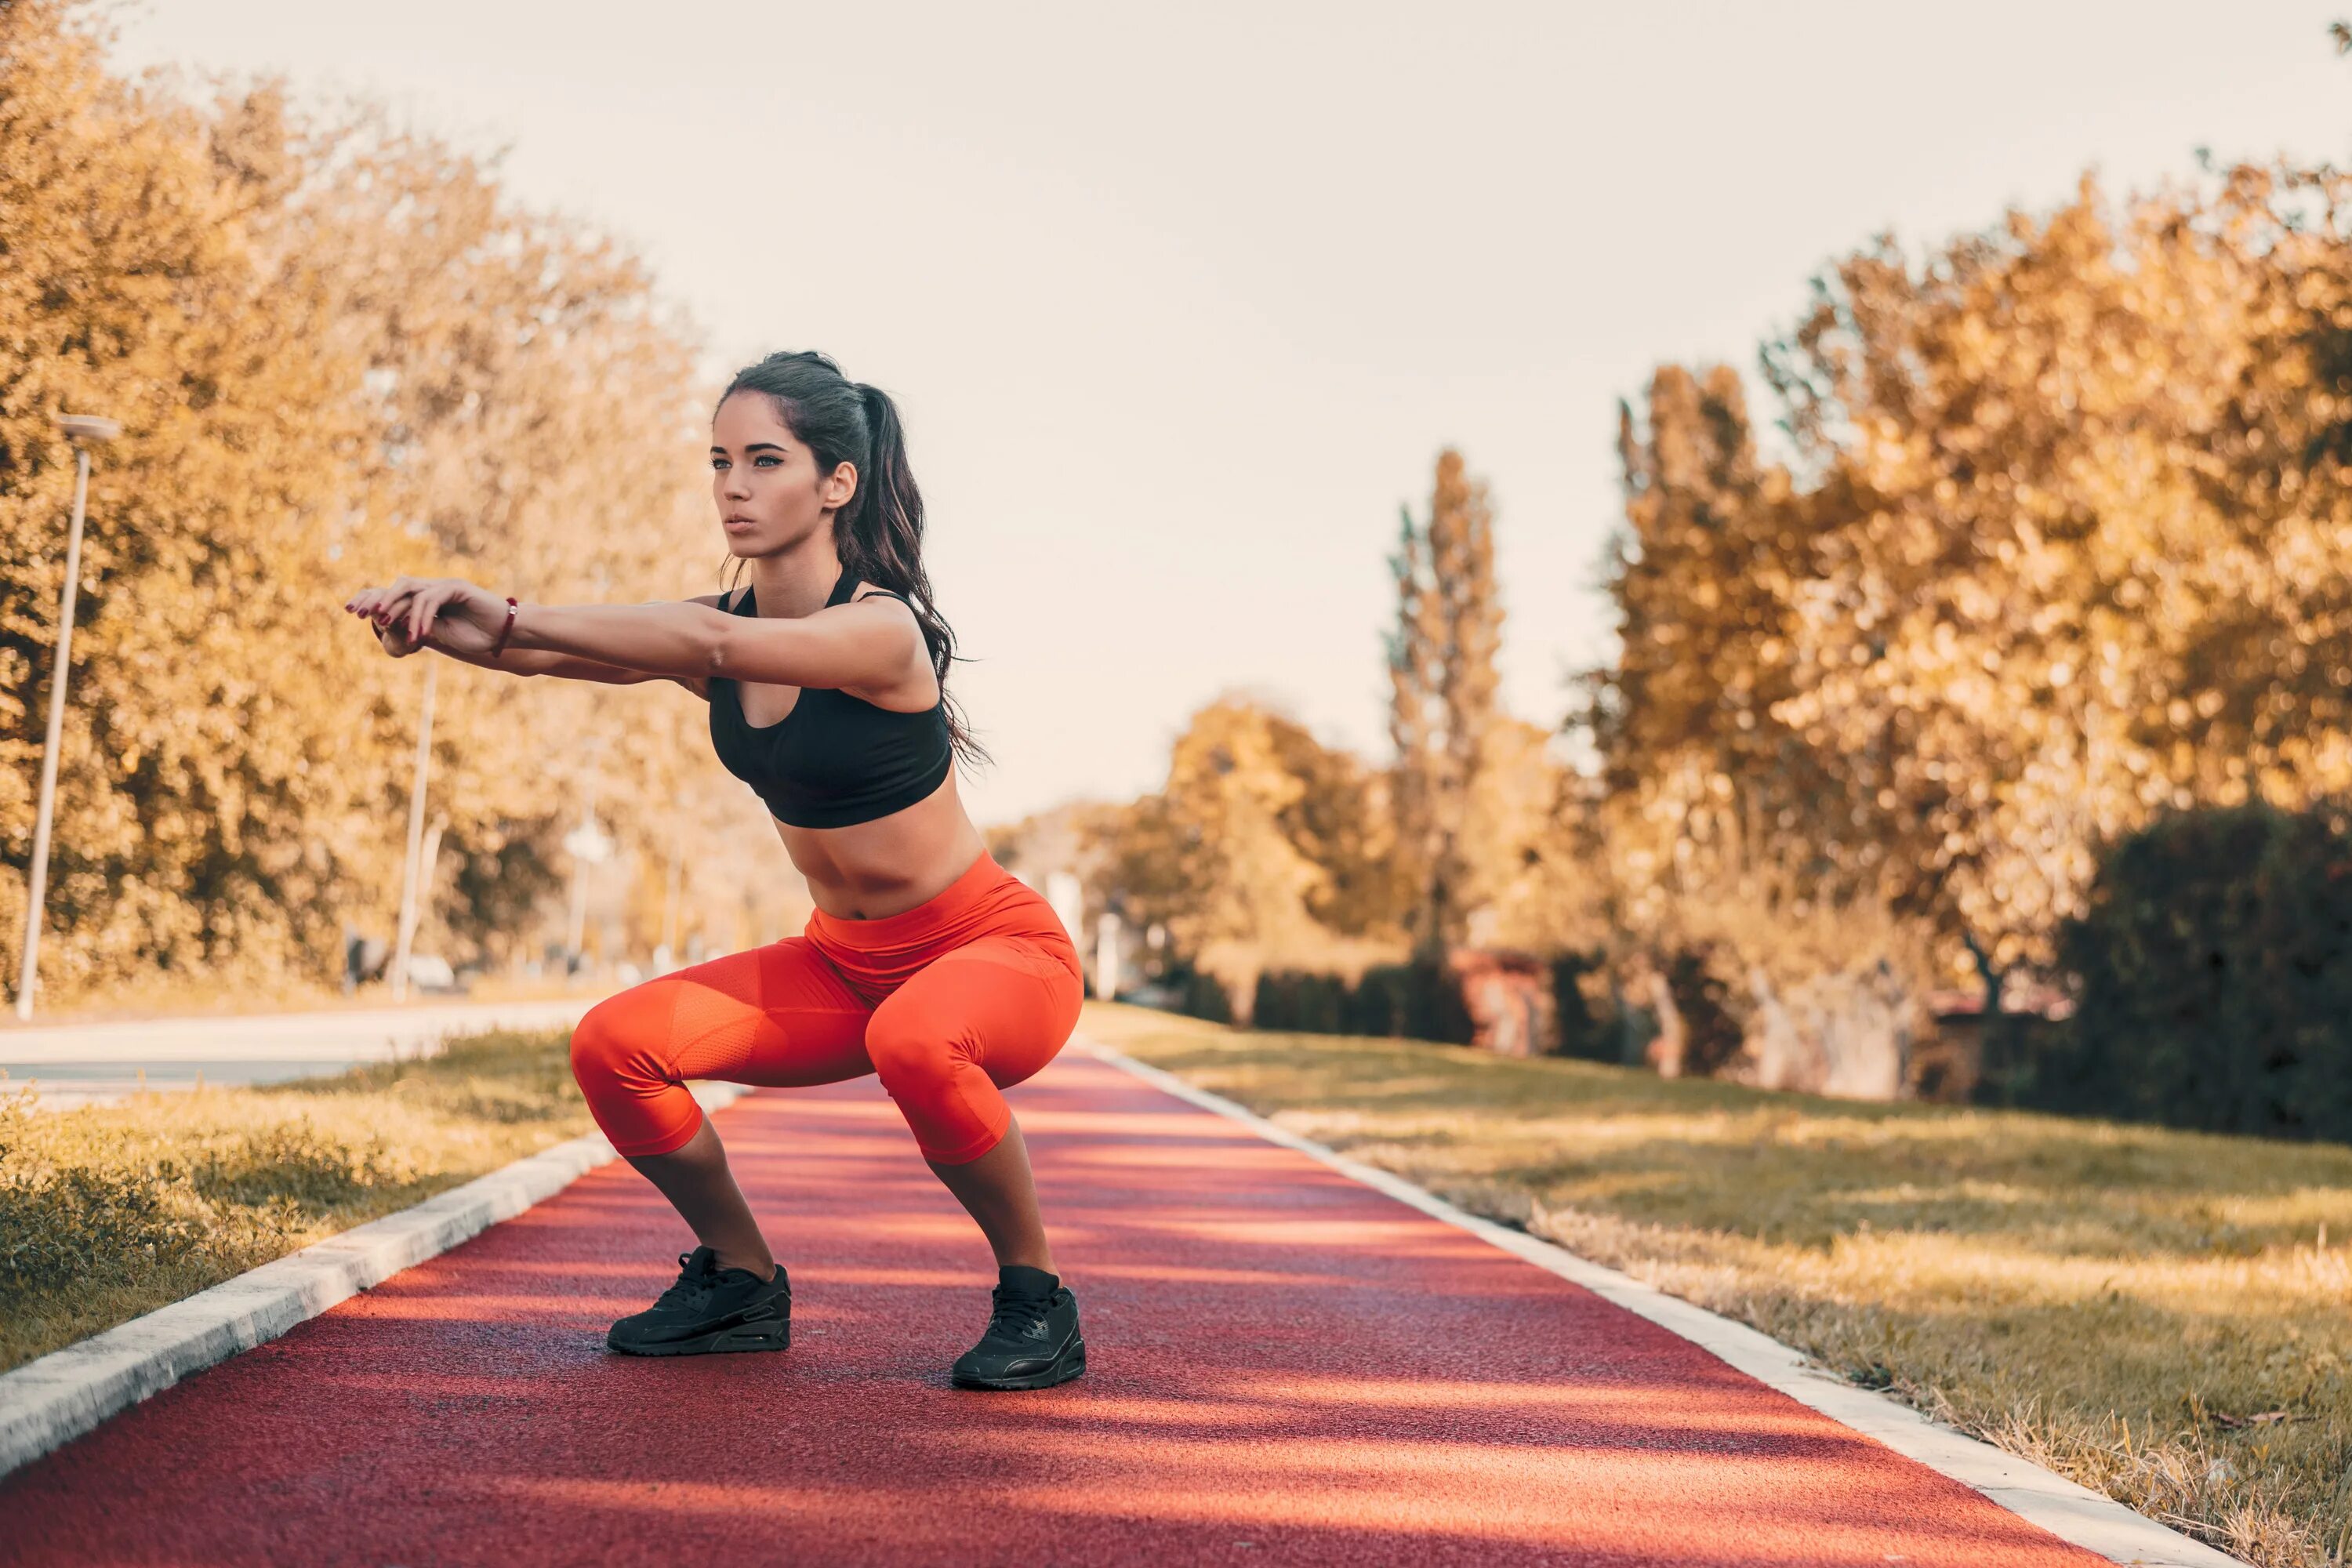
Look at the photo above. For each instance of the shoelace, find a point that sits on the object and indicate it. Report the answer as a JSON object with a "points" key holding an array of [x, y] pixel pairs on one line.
{"points": [[690, 1288], [1016, 1316]]}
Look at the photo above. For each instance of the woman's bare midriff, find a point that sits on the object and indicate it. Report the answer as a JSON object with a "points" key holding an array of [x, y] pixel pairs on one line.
{"points": [[877, 869]]}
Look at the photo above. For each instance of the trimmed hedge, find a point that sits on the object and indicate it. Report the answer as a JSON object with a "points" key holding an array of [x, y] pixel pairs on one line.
{"points": [[2216, 967], [1198, 995], [1420, 1001]]}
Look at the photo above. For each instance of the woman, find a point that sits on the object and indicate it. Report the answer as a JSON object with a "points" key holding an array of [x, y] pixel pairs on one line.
{"points": [[924, 961]]}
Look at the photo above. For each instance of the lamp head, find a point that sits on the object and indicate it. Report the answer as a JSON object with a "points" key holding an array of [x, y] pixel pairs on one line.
{"points": [[88, 427]]}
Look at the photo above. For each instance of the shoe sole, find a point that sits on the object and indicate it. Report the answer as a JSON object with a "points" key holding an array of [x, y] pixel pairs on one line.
{"points": [[768, 1336], [1064, 1367]]}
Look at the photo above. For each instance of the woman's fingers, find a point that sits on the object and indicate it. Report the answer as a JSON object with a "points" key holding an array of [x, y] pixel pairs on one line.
{"points": [[406, 609], [424, 606], [381, 608], [393, 606], [366, 604]]}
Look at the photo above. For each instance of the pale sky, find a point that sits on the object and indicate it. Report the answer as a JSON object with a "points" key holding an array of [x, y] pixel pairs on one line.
{"points": [[1180, 302]]}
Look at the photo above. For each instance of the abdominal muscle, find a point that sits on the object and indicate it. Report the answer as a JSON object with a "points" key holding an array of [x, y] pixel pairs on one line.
{"points": [[875, 869]]}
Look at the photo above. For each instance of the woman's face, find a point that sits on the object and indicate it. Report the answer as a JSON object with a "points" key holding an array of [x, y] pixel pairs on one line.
{"points": [[765, 479]]}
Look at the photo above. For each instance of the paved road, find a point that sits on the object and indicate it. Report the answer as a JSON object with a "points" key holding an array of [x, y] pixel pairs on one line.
{"points": [[77, 1064], [1286, 1367]]}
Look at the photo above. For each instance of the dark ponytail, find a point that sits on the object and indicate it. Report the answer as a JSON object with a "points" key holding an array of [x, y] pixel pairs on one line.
{"points": [[880, 534]]}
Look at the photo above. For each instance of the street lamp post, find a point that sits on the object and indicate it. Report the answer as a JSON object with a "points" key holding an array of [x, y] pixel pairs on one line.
{"points": [[411, 868], [589, 845], [80, 429]]}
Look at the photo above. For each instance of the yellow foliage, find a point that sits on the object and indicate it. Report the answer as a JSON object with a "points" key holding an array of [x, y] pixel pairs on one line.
{"points": [[1264, 849], [2067, 550], [338, 353]]}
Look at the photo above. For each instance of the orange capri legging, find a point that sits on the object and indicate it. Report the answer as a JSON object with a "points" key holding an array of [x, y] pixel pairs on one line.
{"points": [[949, 1003]]}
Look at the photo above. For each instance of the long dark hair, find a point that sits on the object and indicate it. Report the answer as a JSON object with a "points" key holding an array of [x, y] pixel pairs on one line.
{"points": [[880, 534]]}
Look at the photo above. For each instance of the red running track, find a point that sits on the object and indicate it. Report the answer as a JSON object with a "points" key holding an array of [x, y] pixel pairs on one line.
{"points": [[1286, 1367]]}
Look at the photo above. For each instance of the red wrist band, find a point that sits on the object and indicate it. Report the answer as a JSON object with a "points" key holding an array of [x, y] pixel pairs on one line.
{"points": [[507, 630]]}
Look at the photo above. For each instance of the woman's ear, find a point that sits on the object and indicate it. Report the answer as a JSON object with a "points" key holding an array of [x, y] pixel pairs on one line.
{"points": [[839, 487]]}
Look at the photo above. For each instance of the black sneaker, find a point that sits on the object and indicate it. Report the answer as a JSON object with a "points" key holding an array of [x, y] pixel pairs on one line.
{"points": [[1032, 1336], [710, 1309]]}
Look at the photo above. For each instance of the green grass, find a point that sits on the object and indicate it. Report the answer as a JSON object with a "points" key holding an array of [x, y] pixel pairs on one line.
{"points": [[2164, 1316], [111, 1211]]}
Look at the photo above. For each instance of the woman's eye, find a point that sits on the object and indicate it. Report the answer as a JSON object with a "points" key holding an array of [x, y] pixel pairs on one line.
{"points": [[765, 462], [719, 465]]}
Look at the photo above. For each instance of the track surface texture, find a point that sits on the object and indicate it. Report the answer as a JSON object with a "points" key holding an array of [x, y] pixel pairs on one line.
{"points": [[1285, 1367]]}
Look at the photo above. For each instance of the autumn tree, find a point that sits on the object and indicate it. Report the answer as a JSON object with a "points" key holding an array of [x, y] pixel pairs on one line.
{"points": [[1536, 890], [1704, 573], [2062, 546], [338, 353], [199, 758], [2257, 702], [1444, 701], [2014, 534], [1264, 849], [531, 418]]}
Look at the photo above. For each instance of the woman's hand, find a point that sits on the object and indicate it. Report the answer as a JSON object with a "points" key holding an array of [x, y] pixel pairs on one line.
{"points": [[446, 613], [394, 640]]}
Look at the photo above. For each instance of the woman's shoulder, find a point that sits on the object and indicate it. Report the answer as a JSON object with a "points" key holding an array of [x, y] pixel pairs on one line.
{"points": [[919, 651]]}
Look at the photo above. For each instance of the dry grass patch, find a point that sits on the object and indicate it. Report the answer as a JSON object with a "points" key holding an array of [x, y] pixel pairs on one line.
{"points": [[2164, 1316], [111, 1211]]}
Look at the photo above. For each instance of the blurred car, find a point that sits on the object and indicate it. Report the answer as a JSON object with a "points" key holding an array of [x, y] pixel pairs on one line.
{"points": [[431, 972]]}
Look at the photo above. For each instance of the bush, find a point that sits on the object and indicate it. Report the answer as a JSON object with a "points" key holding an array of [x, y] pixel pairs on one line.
{"points": [[1421, 1000], [2215, 960], [1408, 1001], [1306, 1004], [295, 1164], [59, 1228], [1582, 1032], [1384, 1002], [1199, 995], [1713, 1027]]}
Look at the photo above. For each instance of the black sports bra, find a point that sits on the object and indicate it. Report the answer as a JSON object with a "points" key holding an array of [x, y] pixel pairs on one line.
{"points": [[834, 760]]}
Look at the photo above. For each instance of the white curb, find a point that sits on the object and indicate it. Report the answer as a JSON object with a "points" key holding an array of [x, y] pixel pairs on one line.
{"points": [[57, 1397], [2073, 1513]]}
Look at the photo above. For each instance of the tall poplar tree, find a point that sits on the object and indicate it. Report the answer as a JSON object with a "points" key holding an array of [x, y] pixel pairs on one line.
{"points": [[1443, 696]]}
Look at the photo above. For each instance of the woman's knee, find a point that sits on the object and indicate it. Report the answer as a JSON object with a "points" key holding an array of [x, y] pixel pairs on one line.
{"points": [[950, 1101], [619, 1041], [627, 1062], [912, 1053]]}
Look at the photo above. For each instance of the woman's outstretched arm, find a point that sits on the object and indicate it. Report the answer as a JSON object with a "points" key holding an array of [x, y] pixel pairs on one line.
{"points": [[391, 633], [873, 644]]}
